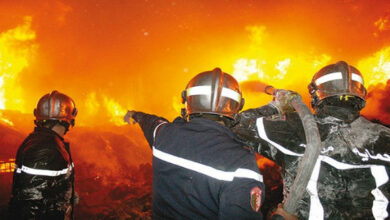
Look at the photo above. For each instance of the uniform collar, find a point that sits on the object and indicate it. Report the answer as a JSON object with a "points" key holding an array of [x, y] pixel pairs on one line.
{"points": [[47, 131], [215, 125], [345, 115]]}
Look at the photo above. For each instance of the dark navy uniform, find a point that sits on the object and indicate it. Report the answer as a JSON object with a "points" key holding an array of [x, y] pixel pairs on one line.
{"points": [[351, 177], [43, 179], [201, 171]]}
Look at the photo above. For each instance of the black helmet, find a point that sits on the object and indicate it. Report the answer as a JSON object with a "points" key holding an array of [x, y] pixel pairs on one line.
{"points": [[340, 81], [57, 107], [213, 92]]}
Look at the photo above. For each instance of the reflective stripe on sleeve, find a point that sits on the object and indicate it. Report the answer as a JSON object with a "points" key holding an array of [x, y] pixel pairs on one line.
{"points": [[229, 93], [380, 203], [329, 77], [207, 170], [263, 135], [40, 172], [316, 209], [155, 130], [340, 165]]}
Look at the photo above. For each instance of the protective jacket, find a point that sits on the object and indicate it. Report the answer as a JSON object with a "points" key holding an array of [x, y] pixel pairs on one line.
{"points": [[351, 177], [201, 171], [43, 182]]}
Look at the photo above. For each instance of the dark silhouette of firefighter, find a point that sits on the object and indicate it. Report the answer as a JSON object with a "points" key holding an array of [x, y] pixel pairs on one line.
{"points": [[43, 182], [351, 177], [200, 169]]}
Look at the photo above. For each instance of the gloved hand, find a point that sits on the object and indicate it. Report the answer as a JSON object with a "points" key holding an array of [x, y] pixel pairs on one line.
{"points": [[282, 100], [281, 214], [129, 117]]}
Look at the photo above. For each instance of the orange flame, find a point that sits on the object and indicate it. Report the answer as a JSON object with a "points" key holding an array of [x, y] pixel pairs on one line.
{"points": [[116, 111], [103, 108], [7, 166], [17, 49], [376, 68], [265, 64], [294, 71]]}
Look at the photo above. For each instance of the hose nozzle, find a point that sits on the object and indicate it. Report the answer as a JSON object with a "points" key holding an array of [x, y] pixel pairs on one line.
{"points": [[270, 90]]}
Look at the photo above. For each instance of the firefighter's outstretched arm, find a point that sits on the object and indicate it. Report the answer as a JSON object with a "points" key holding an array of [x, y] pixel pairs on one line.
{"points": [[246, 128], [148, 123]]}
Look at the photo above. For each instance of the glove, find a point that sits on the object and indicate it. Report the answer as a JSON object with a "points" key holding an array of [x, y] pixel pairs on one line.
{"points": [[129, 117], [282, 100], [281, 214]]}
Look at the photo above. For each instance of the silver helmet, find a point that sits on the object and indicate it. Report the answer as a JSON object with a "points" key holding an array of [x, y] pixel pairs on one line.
{"points": [[337, 80], [55, 106], [213, 92]]}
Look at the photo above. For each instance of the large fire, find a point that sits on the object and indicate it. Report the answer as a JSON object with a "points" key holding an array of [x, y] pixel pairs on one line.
{"points": [[140, 55], [17, 48]]}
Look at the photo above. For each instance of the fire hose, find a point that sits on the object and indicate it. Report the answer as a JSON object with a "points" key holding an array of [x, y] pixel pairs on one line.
{"points": [[309, 158]]}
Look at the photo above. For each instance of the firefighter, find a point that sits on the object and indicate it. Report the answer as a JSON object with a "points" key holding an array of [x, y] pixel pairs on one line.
{"points": [[200, 169], [351, 177], [43, 181]]}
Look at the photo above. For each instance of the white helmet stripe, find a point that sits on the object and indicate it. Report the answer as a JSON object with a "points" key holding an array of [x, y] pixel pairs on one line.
{"points": [[206, 90], [231, 94], [329, 77], [199, 90], [357, 78]]}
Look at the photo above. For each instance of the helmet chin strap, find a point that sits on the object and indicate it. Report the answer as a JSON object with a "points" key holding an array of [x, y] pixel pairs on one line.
{"points": [[50, 124], [65, 124]]}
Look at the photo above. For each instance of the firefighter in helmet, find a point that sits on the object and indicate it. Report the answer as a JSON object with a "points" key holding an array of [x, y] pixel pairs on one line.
{"points": [[351, 177], [43, 182], [200, 169]]}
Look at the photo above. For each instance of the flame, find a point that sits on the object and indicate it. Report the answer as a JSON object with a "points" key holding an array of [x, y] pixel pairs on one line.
{"points": [[269, 66], [176, 104], [16, 52], [98, 108], [150, 62], [266, 65], [376, 68], [291, 71], [244, 69], [7, 166], [115, 110], [376, 72], [5, 120], [92, 104]]}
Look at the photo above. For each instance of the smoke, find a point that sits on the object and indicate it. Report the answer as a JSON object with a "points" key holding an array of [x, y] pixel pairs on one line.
{"points": [[378, 105]]}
